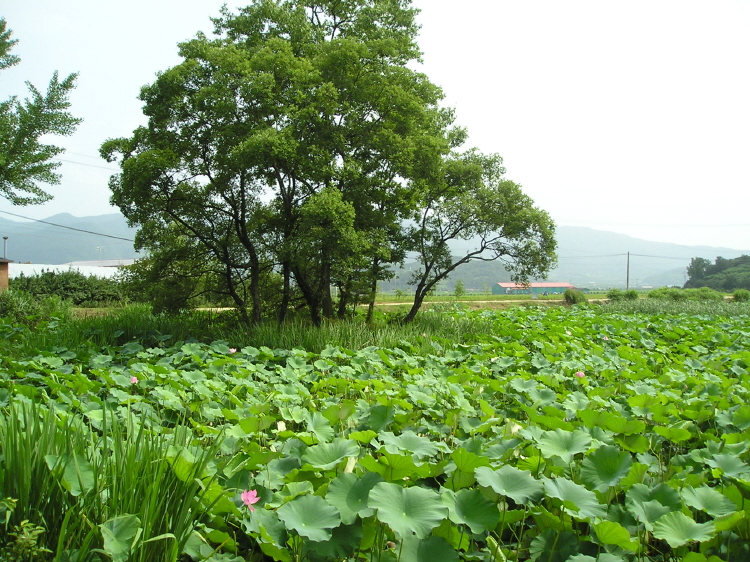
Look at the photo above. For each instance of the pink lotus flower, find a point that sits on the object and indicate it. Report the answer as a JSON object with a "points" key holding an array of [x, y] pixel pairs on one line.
{"points": [[580, 374], [232, 350], [249, 497], [133, 380]]}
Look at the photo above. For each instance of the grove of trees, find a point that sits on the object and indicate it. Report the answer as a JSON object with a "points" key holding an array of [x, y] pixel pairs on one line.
{"points": [[724, 274], [297, 156]]}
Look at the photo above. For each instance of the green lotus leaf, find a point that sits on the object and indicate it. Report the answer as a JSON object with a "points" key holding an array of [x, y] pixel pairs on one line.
{"points": [[678, 529], [460, 470], [610, 532], [577, 500], [342, 545], [408, 511], [554, 546], [518, 485], [727, 522], [319, 426], [77, 475], [564, 444], [674, 434], [348, 493], [310, 516], [663, 493], [730, 465], [602, 557], [605, 467], [363, 436], [395, 467], [119, 534], [409, 442], [471, 508], [430, 549], [326, 456], [709, 500], [380, 417], [741, 417], [648, 512], [266, 525]]}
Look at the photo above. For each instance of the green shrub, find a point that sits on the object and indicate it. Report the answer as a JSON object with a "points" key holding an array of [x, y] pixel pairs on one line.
{"points": [[80, 289], [574, 296], [702, 295], [741, 295], [706, 294], [24, 308], [615, 295], [630, 295]]}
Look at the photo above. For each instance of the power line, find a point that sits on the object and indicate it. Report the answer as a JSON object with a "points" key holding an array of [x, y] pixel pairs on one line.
{"points": [[88, 165], [69, 227]]}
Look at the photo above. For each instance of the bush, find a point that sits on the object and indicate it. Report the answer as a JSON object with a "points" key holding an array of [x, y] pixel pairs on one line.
{"points": [[24, 308], [574, 296], [615, 295], [630, 295], [701, 295], [741, 295], [80, 289]]}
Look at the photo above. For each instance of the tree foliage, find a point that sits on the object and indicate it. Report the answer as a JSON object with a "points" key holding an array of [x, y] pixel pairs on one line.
{"points": [[723, 275], [25, 161], [300, 140]]}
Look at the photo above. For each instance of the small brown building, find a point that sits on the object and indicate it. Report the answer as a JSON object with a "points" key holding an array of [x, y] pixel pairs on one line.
{"points": [[4, 274]]}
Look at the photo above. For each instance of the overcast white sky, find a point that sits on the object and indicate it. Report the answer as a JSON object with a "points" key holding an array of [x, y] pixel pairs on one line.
{"points": [[624, 115]]}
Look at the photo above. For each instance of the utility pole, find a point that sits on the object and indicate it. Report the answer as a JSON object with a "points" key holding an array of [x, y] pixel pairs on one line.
{"points": [[5, 247], [627, 275]]}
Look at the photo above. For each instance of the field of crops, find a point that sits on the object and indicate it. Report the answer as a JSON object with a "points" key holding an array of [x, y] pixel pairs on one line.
{"points": [[555, 435]]}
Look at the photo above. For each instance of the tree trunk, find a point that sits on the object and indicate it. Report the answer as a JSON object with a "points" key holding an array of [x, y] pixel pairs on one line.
{"points": [[373, 290], [345, 294], [255, 315], [286, 293]]}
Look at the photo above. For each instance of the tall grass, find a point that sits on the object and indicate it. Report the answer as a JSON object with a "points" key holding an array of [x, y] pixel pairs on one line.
{"points": [[664, 307], [138, 323], [74, 481]]}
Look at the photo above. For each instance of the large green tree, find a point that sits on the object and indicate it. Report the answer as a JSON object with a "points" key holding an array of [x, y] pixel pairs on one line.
{"points": [[300, 138], [473, 202], [293, 106], [25, 161]]}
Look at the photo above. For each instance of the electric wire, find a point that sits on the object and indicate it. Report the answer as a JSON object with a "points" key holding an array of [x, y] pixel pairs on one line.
{"points": [[69, 227]]}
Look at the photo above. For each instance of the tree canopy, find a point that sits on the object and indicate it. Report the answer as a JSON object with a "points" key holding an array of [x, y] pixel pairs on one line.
{"points": [[25, 161], [300, 140], [722, 275]]}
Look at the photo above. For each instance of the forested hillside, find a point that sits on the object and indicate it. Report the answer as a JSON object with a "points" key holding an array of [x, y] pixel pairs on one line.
{"points": [[722, 275]]}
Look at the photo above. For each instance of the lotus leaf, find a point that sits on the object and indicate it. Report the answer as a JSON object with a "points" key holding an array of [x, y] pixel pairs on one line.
{"points": [[311, 516], [577, 500], [408, 511], [326, 456], [518, 485], [348, 493], [430, 549], [119, 535], [471, 508], [605, 467], [564, 444], [709, 500], [678, 529]]}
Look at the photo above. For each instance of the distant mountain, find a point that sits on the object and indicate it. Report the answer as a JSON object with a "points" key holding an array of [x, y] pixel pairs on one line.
{"points": [[64, 238], [590, 258], [587, 257]]}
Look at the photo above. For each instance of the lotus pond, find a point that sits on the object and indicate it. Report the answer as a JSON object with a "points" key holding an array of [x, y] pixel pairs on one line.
{"points": [[556, 435]]}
